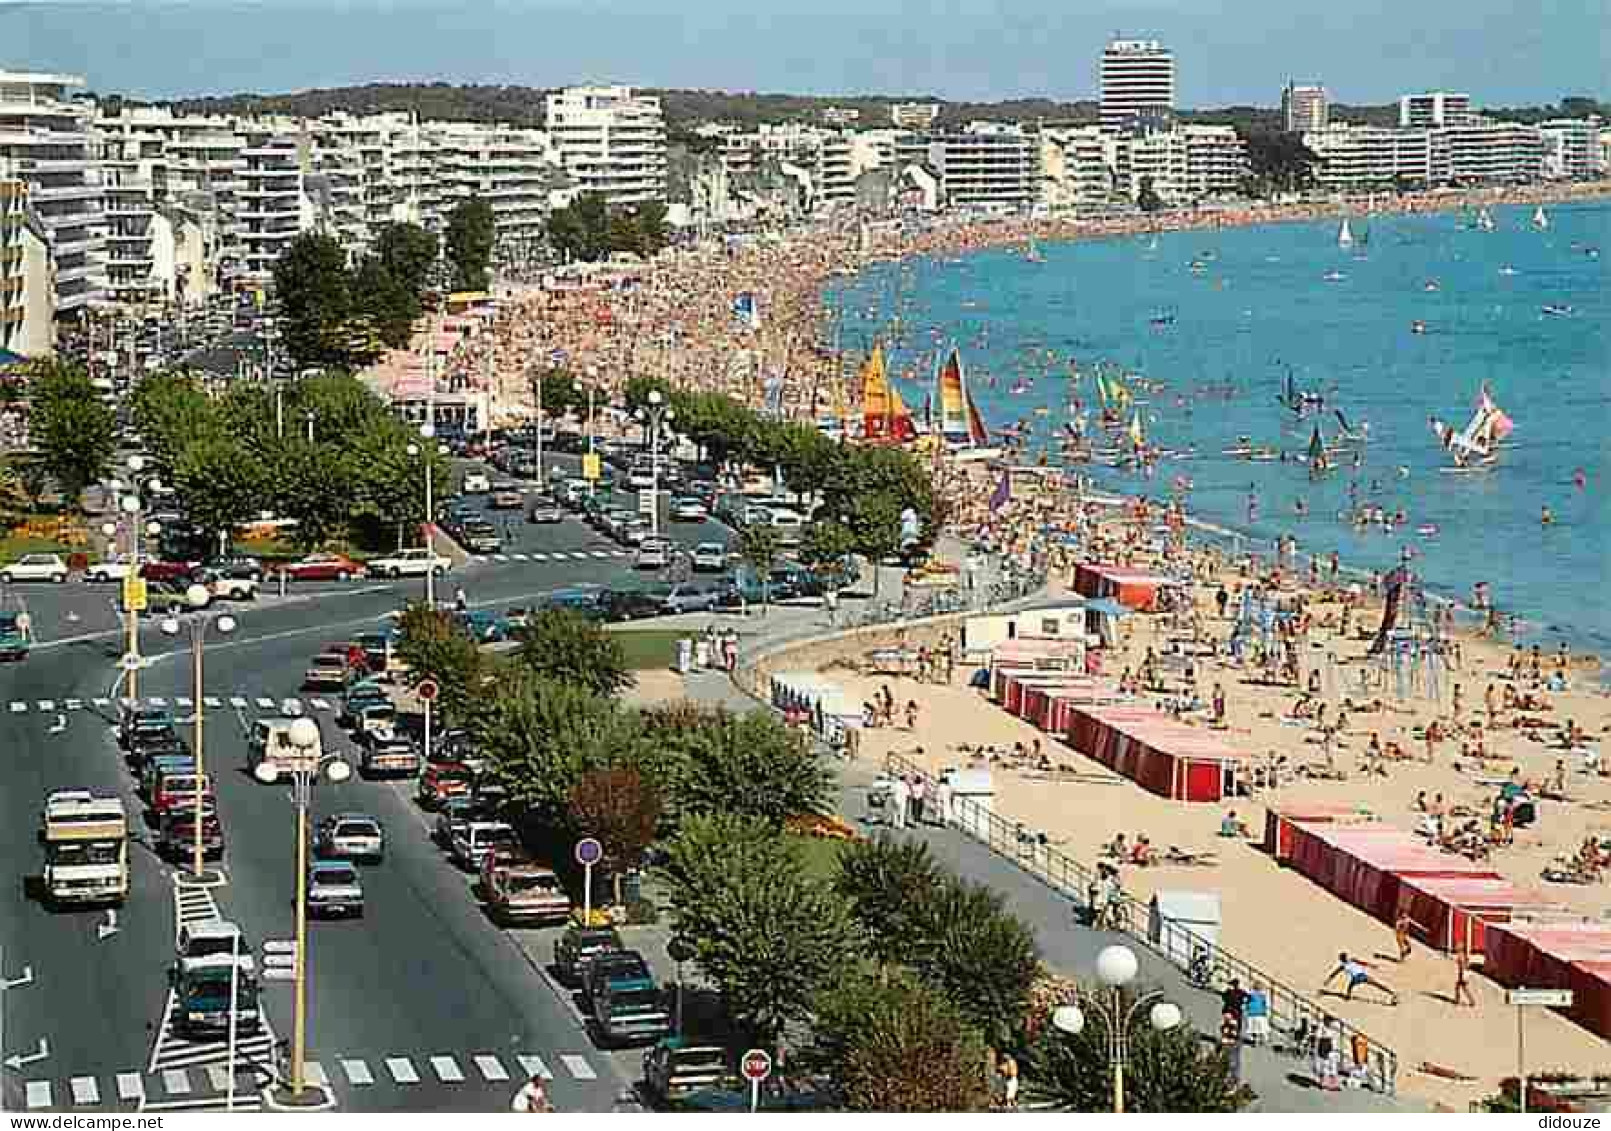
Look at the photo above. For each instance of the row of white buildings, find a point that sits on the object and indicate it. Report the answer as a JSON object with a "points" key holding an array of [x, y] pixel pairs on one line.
{"points": [[105, 204]]}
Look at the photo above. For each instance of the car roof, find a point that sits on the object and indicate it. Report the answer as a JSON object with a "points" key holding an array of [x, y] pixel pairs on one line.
{"points": [[353, 817], [332, 866], [211, 929]]}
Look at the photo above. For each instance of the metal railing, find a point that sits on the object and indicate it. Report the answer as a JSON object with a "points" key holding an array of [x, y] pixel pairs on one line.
{"points": [[1206, 964]]}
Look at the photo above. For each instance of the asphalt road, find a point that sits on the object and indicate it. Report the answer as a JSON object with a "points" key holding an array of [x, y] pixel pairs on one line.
{"points": [[424, 986]]}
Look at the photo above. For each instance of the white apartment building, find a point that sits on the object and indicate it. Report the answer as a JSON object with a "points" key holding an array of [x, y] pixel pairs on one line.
{"points": [[988, 165], [517, 172], [1572, 148], [838, 116], [1483, 152], [1077, 165], [1136, 80], [611, 141], [1216, 160], [273, 206], [1359, 158], [1434, 108], [841, 159], [45, 139], [27, 289], [914, 115], [1304, 108]]}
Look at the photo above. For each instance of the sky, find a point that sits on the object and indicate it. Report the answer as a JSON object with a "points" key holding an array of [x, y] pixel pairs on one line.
{"points": [[1227, 51]]}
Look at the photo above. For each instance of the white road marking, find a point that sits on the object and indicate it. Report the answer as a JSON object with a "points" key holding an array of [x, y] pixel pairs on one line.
{"points": [[38, 1094], [578, 1067], [265, 702], [315, 1073], [218, 1077], [491, 1067], [533, 1066], [236, 701], [157, 702], [212, 701], [402, 1070], [75, 704], [100, 702], [85, 1090], [448, 1069], [357, 1072], [130, 1086], [580, 555], [184, 703], [522, 557], [601, 553], [176, 1081], [18, 708], [539, 557], [319, 704], [47, 704], [500, 557]]}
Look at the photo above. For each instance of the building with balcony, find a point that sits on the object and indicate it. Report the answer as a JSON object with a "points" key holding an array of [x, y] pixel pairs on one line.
{"points": [[914, 115], [273, 207], [516, 171], [611, 141], [1492, 153], [986, 166], [45, 139], [27, 282], [1368, 158], [1077, 165], [1304, 109], [1572, 149], [1136, 81], [1434, 108]]}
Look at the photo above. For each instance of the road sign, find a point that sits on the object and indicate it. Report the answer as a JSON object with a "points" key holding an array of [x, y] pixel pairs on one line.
{"points": [[756, 1065], [589, 852], [590, 467], [1538, 997], [427, 690], [134, 594]]}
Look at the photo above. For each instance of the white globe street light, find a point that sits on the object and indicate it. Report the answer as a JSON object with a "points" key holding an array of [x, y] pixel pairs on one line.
{"points": [[130, 504], [137, 464], [109, 529], [1116, 966], [1165, 1016], [198, 597], [1069, 1019]]}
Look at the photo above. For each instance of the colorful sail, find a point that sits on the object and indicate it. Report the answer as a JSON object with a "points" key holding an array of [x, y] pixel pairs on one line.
{"points": [[1317, 447], [953, 398], [1137, 436], [875, 396], [978, 434], [899, 428]]}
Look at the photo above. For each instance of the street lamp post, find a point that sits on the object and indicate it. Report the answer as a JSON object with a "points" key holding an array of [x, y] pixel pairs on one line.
{"points": [[428, 432], [198, 598], [132, 506], [1116, 968], [657, 413], [303, 734]]}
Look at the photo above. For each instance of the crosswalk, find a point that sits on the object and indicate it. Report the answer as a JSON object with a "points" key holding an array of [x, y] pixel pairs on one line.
{"points": [[282, 705], [205, 1087], [555, 556]]}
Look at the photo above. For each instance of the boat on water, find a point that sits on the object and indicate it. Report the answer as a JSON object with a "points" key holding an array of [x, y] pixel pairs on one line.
{"points": [[1319, 456], [1432, 286], [1345, 234], [1334, 276], [1477, 444], [1557, 310], [1485, 220], [885, 418], [1299, 403], [1032, 252], [961, 425], [1507, 269], [1540, 221]]}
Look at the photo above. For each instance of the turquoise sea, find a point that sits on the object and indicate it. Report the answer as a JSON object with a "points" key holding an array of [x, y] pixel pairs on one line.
{"points": [[1260, 306]]}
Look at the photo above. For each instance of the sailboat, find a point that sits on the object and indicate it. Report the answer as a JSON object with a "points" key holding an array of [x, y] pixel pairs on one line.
{"points": [[1032, 252], [1477, 444], [884, 416], [962, 428], [1485, 219], [1319, 458], [1300, 403], [1540, 221], [1345, 235]]}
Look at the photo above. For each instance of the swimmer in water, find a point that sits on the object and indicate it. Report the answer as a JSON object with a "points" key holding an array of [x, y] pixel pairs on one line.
{"points": [[1546, 517], [1579, 479]]}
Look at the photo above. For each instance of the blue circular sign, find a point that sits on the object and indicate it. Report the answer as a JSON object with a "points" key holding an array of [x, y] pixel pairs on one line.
{"points": [[589, 851]]}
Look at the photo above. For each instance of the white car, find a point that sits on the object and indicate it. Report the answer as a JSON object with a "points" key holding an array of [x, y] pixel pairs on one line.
{"points": [[36, 567], [689, 510], [110, 569], [710, 557], [416, 562], [654, 553], [476, 483]]}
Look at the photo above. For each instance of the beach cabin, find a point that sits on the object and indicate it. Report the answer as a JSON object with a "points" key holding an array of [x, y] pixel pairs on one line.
{"points": [[1062, 621], [1454, 911], [1178, 922], [1137, 589], [1162, 755], [1278, 823], [1556, 956]]}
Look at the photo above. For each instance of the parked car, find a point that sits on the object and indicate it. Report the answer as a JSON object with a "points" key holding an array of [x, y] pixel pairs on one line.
{"points": [[578, 946], [351, 836], [710, 557], [416, 562], [323, 567], [628, 1010], [109, 569], [36, 567], [506, 500], [476, 483], [326, 672], [479, 537], [654, 553], [692, 597], [688, 509], [636, 532], [476, 839], [168, 572], [223, 587], [583, 600], [631, 604], [176, 835], [386, 753], [239, 566], [627, 964], [521, 891], [334, 888], [675, 1068], [442, 780], [545, 512], [453, 814]]}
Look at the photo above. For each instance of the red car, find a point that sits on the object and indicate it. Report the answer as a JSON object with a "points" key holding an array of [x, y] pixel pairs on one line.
{"points": [[442, 780], [159, 571], [323, 567]]}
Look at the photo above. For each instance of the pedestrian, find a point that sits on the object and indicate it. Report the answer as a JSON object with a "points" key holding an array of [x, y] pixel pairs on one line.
{"points": [[25, 626], [1008, 1069], [1356, 972], [911, 714], [461, 600], [931, 801], [1219, 705], [942, 802], [830, 602], [532, 1097], [1462, 971], [914, 793], [1233, 1008], [1221, 599], [1401, 933], [897, 802]]}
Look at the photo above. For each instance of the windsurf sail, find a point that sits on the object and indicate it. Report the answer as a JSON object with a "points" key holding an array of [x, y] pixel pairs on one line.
{"points": [[1317, 447], [1478, 441], [1540, 220], [900, 427], [1345, 235], [1485, 219], [1137, 436], [978, 434]]}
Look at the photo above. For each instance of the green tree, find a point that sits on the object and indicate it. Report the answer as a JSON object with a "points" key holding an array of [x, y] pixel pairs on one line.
{"points": [[895, 1045], [978, 954], [638, 388], [581, 230], [750, 764], [766, 932], [540, 737], [759, 547], [567, 648], [1147, 198], [435, 648], [828, 545], [312, 484], [72, 429], [620, 808], [562, 393], [316, 300], [386, 301], [170, 410], [467, 244], [407, 251], [1170, 1071], [223, 484], [888, 883]]}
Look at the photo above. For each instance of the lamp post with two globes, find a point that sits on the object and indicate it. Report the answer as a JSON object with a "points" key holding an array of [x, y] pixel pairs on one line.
{"points": [[428, 433], [132, 506], [303, 770], [198, 598], [657, 413], [1116, 968]]}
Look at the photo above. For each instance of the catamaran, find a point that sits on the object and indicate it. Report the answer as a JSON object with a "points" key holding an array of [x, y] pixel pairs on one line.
{"points": [[1319, 458], [1477, 444], [1540, 221], [884, 416], [1345, 234], [961, 426], [1032, 252]]}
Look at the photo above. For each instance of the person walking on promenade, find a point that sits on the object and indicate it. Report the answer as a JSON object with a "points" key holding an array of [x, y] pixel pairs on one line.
{"points": [[898, 801]]}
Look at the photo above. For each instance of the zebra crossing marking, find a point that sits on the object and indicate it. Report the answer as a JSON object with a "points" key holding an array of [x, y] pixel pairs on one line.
{"points": [[522, 557], [491, 1067], [319, 704], [533, 1065], [212, 701], [447, 1069], [357, 1072], [85, 1090], [47, 704], [157, 701], [578, 1067], [176, 1081], [500, 557], [101, 701], [38, 1092], [184, 703], [75, 704], [130, 1086], [18, 708], [265, 703], [218, 1077], [315, 1074], [402, 1070], [237, 702], [539, 557]]}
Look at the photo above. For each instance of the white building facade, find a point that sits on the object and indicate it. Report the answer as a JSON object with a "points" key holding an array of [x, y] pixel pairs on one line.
{"points": [[611, 141], [1304, 108], [1136, 81]]}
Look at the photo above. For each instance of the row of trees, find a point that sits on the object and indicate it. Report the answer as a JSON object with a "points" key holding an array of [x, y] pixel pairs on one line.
{"points": [[341, 312], [72, 429], [237, 454], [589, 229]]}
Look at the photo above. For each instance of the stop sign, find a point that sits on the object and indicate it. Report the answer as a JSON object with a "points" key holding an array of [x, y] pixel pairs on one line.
{"points": [[756, 1065], [427, 690]]}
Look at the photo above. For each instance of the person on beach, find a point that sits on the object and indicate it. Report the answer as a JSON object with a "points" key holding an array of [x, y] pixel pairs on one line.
{"points": [[1401, 933], [1462, 976], [1356, 972]]}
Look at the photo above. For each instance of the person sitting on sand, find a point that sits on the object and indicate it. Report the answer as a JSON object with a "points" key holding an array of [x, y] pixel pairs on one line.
{"points": [[1231, 825], [1356, 972], [1556, 682], [1433, 735], [1312, 689], [1117, 848], [1420, 802], [1141, 853], [1571, 735]]}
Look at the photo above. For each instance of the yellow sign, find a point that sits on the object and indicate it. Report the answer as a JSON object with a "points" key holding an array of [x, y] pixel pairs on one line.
{"points": [[134, 594], [590, 466]]}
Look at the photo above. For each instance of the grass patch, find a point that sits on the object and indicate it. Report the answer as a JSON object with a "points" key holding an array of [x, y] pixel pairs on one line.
{"points": [[647, 648], [16, 545], [819, 854]]}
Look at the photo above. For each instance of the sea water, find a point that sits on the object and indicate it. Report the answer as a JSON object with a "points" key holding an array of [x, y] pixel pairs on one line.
{"points": [[1258, 306]]}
